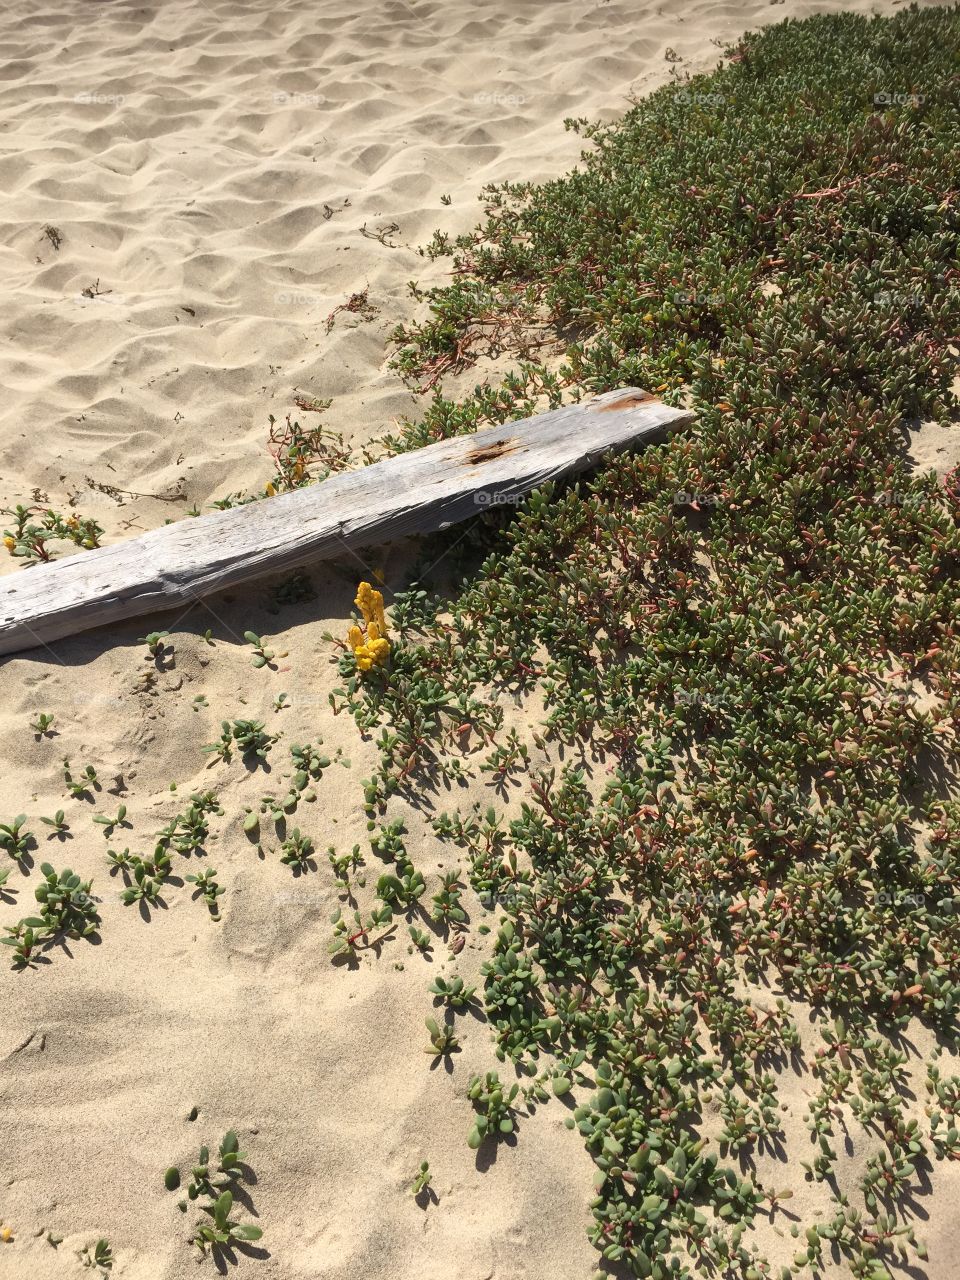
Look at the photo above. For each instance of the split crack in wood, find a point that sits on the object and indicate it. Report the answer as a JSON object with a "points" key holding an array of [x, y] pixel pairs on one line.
{"points": [[487, 453]]}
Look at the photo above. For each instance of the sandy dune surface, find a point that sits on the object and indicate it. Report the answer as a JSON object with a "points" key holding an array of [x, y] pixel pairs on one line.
{"points": [[220, 177], [212, 168]]}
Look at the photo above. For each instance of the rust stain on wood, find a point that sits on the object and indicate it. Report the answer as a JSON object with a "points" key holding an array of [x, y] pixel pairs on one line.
{"points": [[490, 452], [629, 401]]}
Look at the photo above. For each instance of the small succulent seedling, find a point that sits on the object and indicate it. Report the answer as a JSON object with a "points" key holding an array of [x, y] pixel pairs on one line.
{"points": [[446, 904], [144, 886], [342, 864], [187, 832], [492, 1100], [308, 762], [58, 822], [80, 788], [206, 887], [222, 1230], [121, 860], [279, 806], [421, 1179], [41, 726], [110, 824], [97, 1255], [298, 850], [402, 890], [154, 640], [508, 758], [15, 839], [25, 937], [207, 1181], [309, 757], [388, 843], [262, 657], [231, 1157], [775, 1198], [354, 933], [422, 940], [223, 747], [66, 906], [248, 735], [443, 1041], [453, 992], [157, 863], [215, 1186]]}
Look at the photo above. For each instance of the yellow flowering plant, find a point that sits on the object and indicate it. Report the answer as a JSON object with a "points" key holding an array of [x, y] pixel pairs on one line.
{"points": [[370, 644], [36, 529]]}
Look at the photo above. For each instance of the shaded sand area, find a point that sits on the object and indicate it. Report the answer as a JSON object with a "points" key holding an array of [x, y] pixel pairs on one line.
{"points": [[191, 191]]}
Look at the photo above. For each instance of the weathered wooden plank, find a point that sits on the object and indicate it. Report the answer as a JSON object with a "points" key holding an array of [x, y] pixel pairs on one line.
{"points": [[417, 492]]}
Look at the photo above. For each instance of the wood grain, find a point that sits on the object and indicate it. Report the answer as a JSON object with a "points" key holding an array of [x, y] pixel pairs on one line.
{"points": [[412, 493]]}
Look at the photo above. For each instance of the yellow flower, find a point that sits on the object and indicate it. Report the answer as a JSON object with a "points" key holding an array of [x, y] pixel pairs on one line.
{"points": [[9, 543], [270, 489], [374, 648], [6, 1234]]}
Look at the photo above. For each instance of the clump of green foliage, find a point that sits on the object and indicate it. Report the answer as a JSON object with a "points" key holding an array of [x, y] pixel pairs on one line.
{"points": [[248, 736], [736, 622], [66, 911], [15, 839], [212, 1187], [493, 1102], [35, 531], [207, 887]]}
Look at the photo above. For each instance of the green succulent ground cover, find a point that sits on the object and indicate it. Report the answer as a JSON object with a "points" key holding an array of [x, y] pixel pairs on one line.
{"points": [[750, 631]]}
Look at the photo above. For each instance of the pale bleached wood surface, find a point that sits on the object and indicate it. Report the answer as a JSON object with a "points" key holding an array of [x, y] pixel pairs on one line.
{"points": [[417, 492]]}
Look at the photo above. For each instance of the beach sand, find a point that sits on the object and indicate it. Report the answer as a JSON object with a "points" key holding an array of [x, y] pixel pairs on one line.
{"points": [[223, 176]]}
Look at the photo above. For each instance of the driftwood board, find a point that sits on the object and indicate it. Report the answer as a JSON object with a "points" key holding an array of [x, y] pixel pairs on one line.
{"points": [[417, 492]]}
